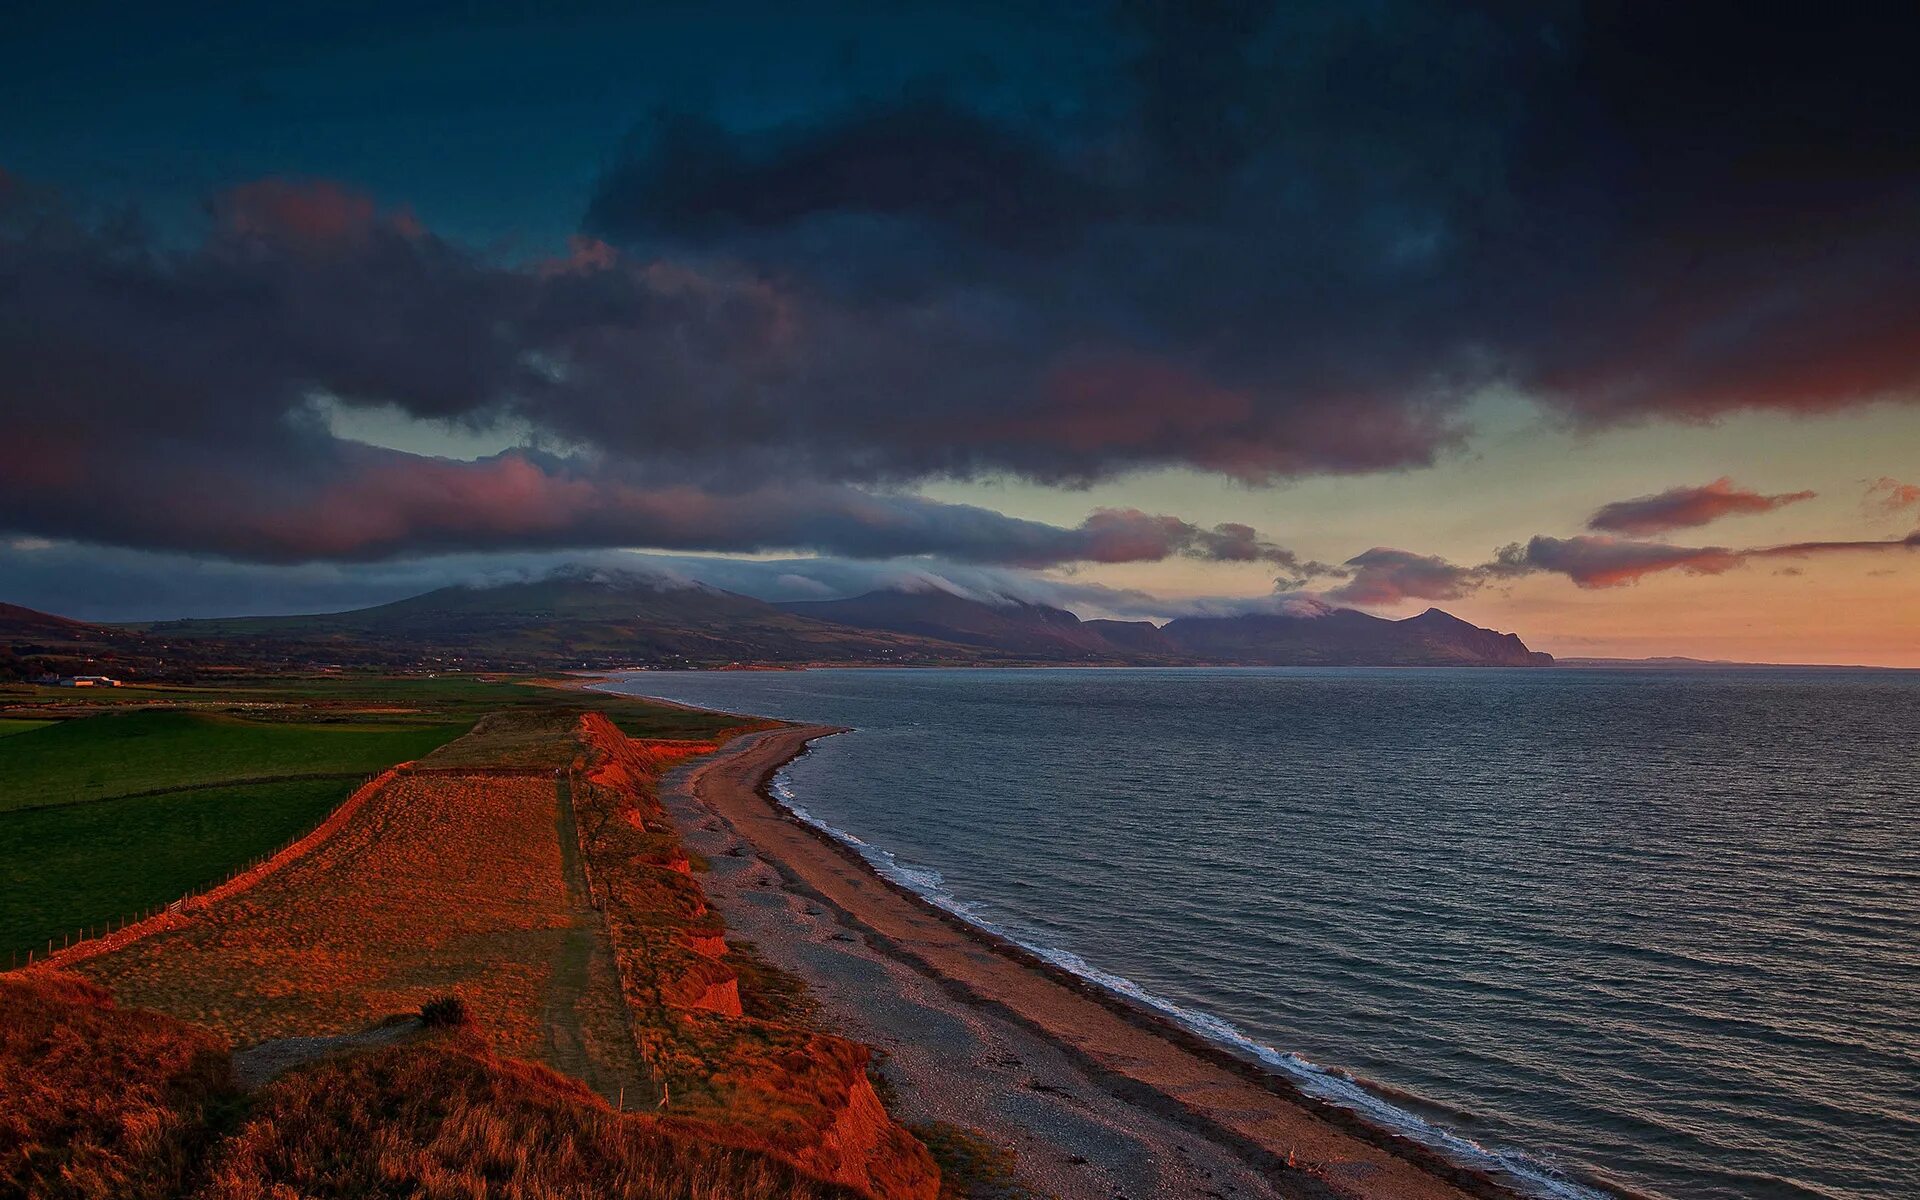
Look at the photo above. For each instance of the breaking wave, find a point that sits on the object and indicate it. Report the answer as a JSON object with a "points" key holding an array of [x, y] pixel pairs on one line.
{"points": [[1530, 1175]]}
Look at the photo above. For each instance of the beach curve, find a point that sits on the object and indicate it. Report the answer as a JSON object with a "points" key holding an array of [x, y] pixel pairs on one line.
{"points": [[1189, 1090]]}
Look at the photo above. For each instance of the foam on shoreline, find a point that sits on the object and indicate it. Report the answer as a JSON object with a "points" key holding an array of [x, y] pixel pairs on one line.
{"points": [[1526, 1174]]}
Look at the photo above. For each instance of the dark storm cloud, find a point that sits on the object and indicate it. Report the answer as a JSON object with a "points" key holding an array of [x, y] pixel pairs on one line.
{"points": [[927, 159], [1684, 507], [179, 399], [1261, 241], [1291, 239]]}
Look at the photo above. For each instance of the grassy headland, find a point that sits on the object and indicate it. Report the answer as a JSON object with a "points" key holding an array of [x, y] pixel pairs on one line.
{"points": [[522, 866], [113, 800], [109, 1103]]}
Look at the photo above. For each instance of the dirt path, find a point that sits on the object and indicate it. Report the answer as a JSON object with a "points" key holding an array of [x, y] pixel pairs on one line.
{"points": [[1100, 1100], [437, 883], [566, 1041], [260, 1065], [583, 968]]}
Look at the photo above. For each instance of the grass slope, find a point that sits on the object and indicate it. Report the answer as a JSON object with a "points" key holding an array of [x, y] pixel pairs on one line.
{"points": [[85, 864], [108, 814], [121, 753], [99, 1102]]}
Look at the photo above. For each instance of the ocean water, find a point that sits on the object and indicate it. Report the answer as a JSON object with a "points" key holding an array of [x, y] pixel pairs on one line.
{"points": [[1611, 931]]}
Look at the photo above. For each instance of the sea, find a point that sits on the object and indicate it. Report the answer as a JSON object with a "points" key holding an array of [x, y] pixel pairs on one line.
{"points": [[1605, 932]]}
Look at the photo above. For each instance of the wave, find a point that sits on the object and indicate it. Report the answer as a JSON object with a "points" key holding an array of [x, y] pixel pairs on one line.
{"points": [[1530, 1175]]}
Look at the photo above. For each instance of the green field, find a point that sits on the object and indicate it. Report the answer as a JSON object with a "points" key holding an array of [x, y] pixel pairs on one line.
{"points": [[102, 816], [122, 806], [86, 864], [117, 754]]}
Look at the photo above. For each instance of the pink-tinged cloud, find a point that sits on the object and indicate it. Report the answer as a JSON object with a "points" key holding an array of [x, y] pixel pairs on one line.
{"points": [[1129, 535], [1383, 576], [316, 213], [327, 500], [1603, 562], [1889, 495], [1867, 546], [1685, 507]]}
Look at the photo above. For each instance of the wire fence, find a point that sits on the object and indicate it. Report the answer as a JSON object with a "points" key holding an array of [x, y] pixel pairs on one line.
{"points": [[94, 932]]}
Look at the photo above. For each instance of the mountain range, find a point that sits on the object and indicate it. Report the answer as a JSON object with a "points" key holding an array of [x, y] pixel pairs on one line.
{"points": [[600, 619]]}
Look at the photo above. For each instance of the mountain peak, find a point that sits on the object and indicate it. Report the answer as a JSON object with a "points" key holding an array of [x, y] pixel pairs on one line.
{"points": [[1013, 626]]}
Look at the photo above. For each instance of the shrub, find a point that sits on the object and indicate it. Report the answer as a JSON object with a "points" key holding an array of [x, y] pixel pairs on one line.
{"points": [[445, 1012]]}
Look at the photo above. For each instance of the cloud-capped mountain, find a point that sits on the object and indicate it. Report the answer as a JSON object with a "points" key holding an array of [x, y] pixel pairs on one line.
{"points": [[609, 618]]}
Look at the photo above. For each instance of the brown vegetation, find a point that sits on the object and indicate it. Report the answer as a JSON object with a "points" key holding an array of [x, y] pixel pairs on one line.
{"points": [[440, 884], [181, 912], [448, 1118], [756, 1079], [527, 876], [96, 1102], [101, 1103]]}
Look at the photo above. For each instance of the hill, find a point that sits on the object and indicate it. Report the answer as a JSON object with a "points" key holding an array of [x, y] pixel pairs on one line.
{"points": [[571, 618], [19, 622], [1320, 637], [594, 618], [35, 643], [1134, 637], [1012, 627], [1348, 638]]}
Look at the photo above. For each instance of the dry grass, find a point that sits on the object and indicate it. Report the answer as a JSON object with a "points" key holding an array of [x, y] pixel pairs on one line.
{"points": [[440, 884], [99, 1103], [462, 882], [971, 1167], [766, 1079], [525, 738], [447, 1119]]}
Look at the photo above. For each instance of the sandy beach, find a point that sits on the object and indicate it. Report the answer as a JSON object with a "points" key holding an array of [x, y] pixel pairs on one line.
{"points": [[1097, 1099]]}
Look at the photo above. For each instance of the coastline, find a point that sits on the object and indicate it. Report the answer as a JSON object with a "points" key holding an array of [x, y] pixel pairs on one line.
{"points": [[1180, 1091]]}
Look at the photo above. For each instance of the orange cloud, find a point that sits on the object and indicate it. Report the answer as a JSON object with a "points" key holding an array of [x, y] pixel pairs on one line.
{"points": [[1889, 495], [1683, 507]]}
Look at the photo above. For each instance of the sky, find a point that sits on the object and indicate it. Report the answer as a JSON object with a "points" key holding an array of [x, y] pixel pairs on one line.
{"points": [[1598, 323]]}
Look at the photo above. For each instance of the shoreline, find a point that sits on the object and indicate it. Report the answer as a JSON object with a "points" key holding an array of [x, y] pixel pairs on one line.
{"points": [[1300, 1144]]}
